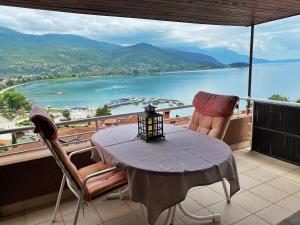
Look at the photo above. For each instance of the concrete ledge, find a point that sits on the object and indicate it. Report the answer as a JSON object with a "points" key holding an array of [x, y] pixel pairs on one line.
{"points": [[22, 206]]}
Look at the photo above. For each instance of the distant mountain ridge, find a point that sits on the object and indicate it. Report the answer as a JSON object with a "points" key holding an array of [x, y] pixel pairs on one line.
{"points": [[58, 55], [227, 56]]}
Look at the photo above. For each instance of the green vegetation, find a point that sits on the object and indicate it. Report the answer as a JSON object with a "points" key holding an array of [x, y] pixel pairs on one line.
{"points": [[24, 123], [298, 100], [66, 114], [2, 148], [59, 56], [12, 103], [103, 111], [10, 83], [278, 97]]}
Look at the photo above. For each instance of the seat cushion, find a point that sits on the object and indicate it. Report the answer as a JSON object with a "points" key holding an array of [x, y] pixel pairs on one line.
{"points": [[102, 183], [212, 113], [209, 125]]}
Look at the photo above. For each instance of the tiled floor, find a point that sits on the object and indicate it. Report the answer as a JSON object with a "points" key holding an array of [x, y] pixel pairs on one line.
{"points": [[270, 194]]}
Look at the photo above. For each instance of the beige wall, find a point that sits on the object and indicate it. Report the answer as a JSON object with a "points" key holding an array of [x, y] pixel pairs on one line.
{"points": [[238, 130]]}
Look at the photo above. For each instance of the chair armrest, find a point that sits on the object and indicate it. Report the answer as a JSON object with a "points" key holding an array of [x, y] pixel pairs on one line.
{"points": [[98, 174], [81, 151]]}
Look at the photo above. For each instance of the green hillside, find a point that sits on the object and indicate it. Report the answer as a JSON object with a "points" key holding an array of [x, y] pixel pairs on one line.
{"points": [[59, 55]]}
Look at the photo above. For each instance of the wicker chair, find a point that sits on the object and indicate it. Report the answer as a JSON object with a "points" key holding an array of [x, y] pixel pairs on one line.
{"points": [[212, 116], [86, 183]]}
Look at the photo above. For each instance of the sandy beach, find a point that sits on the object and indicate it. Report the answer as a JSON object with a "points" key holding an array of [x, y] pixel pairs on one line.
{"points": [[15, 86]]}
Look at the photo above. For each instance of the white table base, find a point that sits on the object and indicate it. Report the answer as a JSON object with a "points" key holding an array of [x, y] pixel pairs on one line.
{"points": [[121, 194], [216, 218]]}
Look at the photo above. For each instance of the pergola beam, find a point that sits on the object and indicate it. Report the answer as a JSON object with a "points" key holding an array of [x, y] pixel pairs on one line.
{"points": [[217, 12]]}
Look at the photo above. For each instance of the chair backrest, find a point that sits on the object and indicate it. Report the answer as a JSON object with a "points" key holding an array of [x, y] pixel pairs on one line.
{"points": [[212, 113], [48, 131]]}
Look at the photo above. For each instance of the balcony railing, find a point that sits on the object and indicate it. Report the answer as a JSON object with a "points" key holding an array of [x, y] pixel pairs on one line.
{"points": [[96, 120], [72, 122]]}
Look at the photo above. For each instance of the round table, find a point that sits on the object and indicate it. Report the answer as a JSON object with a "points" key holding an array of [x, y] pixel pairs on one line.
{"points": [[161, 172]]}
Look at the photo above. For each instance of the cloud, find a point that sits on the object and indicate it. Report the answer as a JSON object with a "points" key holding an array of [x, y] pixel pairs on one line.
{"points": [[277, 39]]}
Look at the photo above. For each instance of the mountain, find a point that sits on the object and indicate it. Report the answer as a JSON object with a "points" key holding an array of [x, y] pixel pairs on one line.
{"points": [[63, 54], [50, 54], [223, 55], [238, 65], [144, 54]]}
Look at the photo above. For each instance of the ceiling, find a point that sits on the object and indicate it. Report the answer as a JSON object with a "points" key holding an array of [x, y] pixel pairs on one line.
{"points": [[218, 12]]}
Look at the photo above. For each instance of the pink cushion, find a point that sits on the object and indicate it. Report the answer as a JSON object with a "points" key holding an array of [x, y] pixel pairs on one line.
{"points": [[212, 113], [214, 105]]}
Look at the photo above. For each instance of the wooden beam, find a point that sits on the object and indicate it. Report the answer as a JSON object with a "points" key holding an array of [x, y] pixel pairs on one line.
{"points": [[218, 12]]}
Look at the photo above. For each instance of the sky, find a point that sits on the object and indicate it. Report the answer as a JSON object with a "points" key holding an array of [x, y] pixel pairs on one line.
{"points": [[274, 40]]}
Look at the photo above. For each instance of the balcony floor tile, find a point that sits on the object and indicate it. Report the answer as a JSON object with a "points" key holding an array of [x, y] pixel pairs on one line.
{"points": [[269, 195]]}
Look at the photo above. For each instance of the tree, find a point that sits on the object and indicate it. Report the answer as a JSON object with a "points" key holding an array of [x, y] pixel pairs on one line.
{"points": [[298, 100], [66, 114], [103, 111], [278, 97], [10, 83], [13, 138], [13, 101]]}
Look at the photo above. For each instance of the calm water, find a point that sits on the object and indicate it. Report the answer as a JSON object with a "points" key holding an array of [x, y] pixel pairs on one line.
{"points": [[93, 92]]}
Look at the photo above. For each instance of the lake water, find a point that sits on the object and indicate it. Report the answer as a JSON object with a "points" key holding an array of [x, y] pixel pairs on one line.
{"points": [[268, 79]]}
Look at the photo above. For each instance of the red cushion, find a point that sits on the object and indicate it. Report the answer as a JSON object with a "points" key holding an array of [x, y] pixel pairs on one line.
{"points": [[214, 105]]}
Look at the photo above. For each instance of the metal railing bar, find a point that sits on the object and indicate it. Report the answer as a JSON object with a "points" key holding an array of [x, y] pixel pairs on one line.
{"points": [[39, 148], [75, 142], [77, 134], [15, 145], [277, 131], [95, 119], [293, 104], [92, 119], [9, 153], [70, 135]]}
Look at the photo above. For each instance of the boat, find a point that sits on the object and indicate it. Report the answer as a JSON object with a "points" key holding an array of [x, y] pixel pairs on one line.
{"points": [[59, 93]]}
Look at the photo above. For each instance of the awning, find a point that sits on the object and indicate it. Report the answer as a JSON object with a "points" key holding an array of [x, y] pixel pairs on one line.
{"points": [[218, 12]]}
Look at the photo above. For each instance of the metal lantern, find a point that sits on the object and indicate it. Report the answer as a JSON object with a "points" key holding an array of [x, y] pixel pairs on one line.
{"points": [[150, 124]]}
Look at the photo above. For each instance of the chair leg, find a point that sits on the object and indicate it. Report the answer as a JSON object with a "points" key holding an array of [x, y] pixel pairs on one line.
{"points": [[226, 191], [173, 215], [144, 213], [79, 204], [61, 189]]}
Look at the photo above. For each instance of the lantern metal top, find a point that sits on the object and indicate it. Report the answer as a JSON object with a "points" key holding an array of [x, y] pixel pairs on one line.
{"points": [[149, 108]]}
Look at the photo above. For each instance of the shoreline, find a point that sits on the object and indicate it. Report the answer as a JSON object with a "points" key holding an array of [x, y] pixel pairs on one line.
{"points": [[15, 86], [110, 75]]}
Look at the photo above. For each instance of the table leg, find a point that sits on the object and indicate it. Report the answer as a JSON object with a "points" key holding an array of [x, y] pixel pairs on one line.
{"points": [[173, 215], [144, 212], [216, 218], [225, 190], [169, 216], [121, 194]]}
